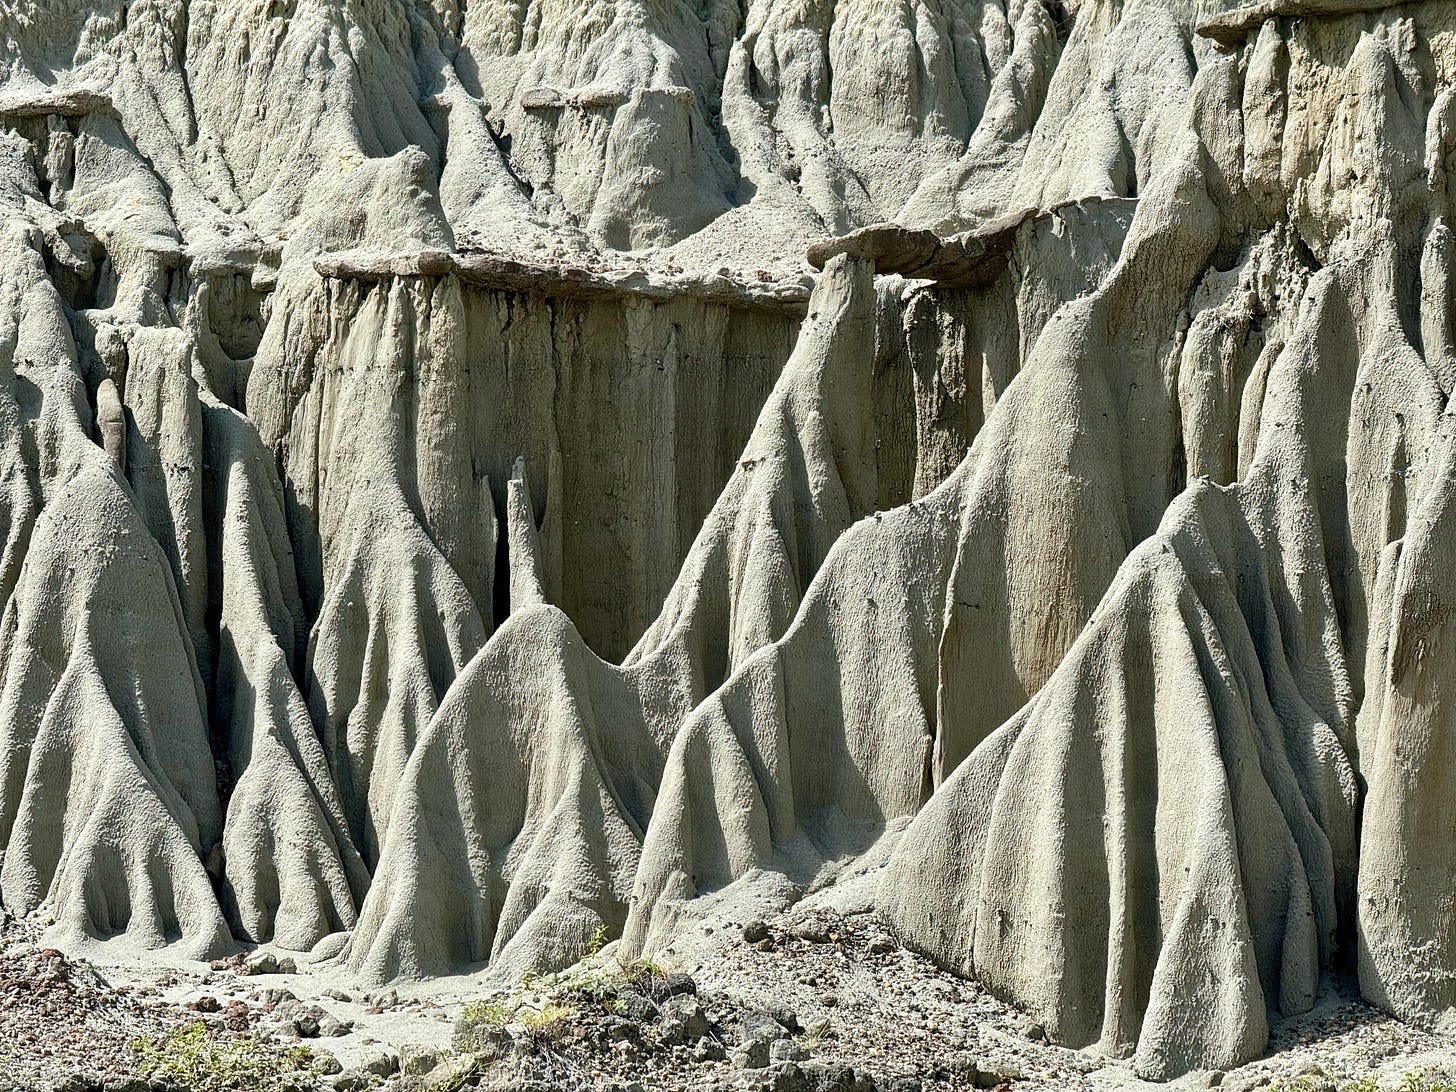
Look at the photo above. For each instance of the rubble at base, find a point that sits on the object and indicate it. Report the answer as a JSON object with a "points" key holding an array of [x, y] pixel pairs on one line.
{"points": [[809, 1002]]}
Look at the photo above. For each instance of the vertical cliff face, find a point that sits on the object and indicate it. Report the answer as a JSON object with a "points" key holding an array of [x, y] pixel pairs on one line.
{"points": [[472, 475]]}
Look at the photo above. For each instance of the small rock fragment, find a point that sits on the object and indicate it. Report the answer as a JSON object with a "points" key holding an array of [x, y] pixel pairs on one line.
{"points": [[786, 1050], [270, 999], [991, 1075], [416, 1060], [963, 1066], [811, 930], [672, 985], [755, 931], [456, 1072], [787, 1018], [836, 1078], [753, 1054], [758, 1026], [787, 1078], [635, 1006], [709, 1050], [379, 1061], [682, 1020]]}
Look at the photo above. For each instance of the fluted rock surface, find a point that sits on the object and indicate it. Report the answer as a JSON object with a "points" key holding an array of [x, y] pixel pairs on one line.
{"points": [[472, 476]]}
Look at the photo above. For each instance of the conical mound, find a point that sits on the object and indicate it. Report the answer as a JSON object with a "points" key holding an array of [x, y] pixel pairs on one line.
{"points": [[854, 716], [1160, 846], [293, 873], [1170, 823], [551, 784], [108, 799]]}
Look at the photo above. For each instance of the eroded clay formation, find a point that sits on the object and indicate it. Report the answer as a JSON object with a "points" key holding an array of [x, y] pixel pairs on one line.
{"points": [[472, 475]]}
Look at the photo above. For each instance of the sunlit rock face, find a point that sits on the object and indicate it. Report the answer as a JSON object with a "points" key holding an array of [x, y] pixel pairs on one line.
{"points": [[476, 476]]}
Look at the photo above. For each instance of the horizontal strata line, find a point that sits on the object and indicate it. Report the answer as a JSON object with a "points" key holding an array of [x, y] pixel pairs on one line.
{"points": [[1232, 27], [73, 102], [567, 282], [972, 259]]}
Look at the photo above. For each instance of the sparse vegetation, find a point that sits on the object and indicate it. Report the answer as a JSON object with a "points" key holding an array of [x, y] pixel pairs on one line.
{"points": [[203, 1061], [542, 1008], [1415, 1081], [815, 1036], [479, 1024], [547, 1021], [543, 1000], [490, 1014]]}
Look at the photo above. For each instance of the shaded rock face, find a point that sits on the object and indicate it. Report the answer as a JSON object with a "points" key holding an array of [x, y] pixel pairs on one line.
{"points": [[444, 509]]}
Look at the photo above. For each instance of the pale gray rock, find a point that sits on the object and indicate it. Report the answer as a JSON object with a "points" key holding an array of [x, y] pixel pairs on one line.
{"points": [[481, 480]]}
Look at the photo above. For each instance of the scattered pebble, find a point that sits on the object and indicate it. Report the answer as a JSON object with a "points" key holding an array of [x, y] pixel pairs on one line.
{"points": [[839, 1006]]}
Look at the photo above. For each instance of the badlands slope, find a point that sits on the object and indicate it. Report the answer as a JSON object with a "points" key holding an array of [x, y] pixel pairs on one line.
{"points": [[475, 475]]}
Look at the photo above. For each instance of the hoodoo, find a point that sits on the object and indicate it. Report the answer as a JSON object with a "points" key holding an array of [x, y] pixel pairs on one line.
{"points": [[482, 481]]}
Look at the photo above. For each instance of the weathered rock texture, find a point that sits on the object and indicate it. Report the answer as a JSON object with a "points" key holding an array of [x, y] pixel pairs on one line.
{"points": [[472, 476]]}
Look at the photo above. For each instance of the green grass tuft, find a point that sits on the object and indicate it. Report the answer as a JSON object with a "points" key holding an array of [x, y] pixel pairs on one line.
{"points": [[1415, 1081], [195, 1058]]}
